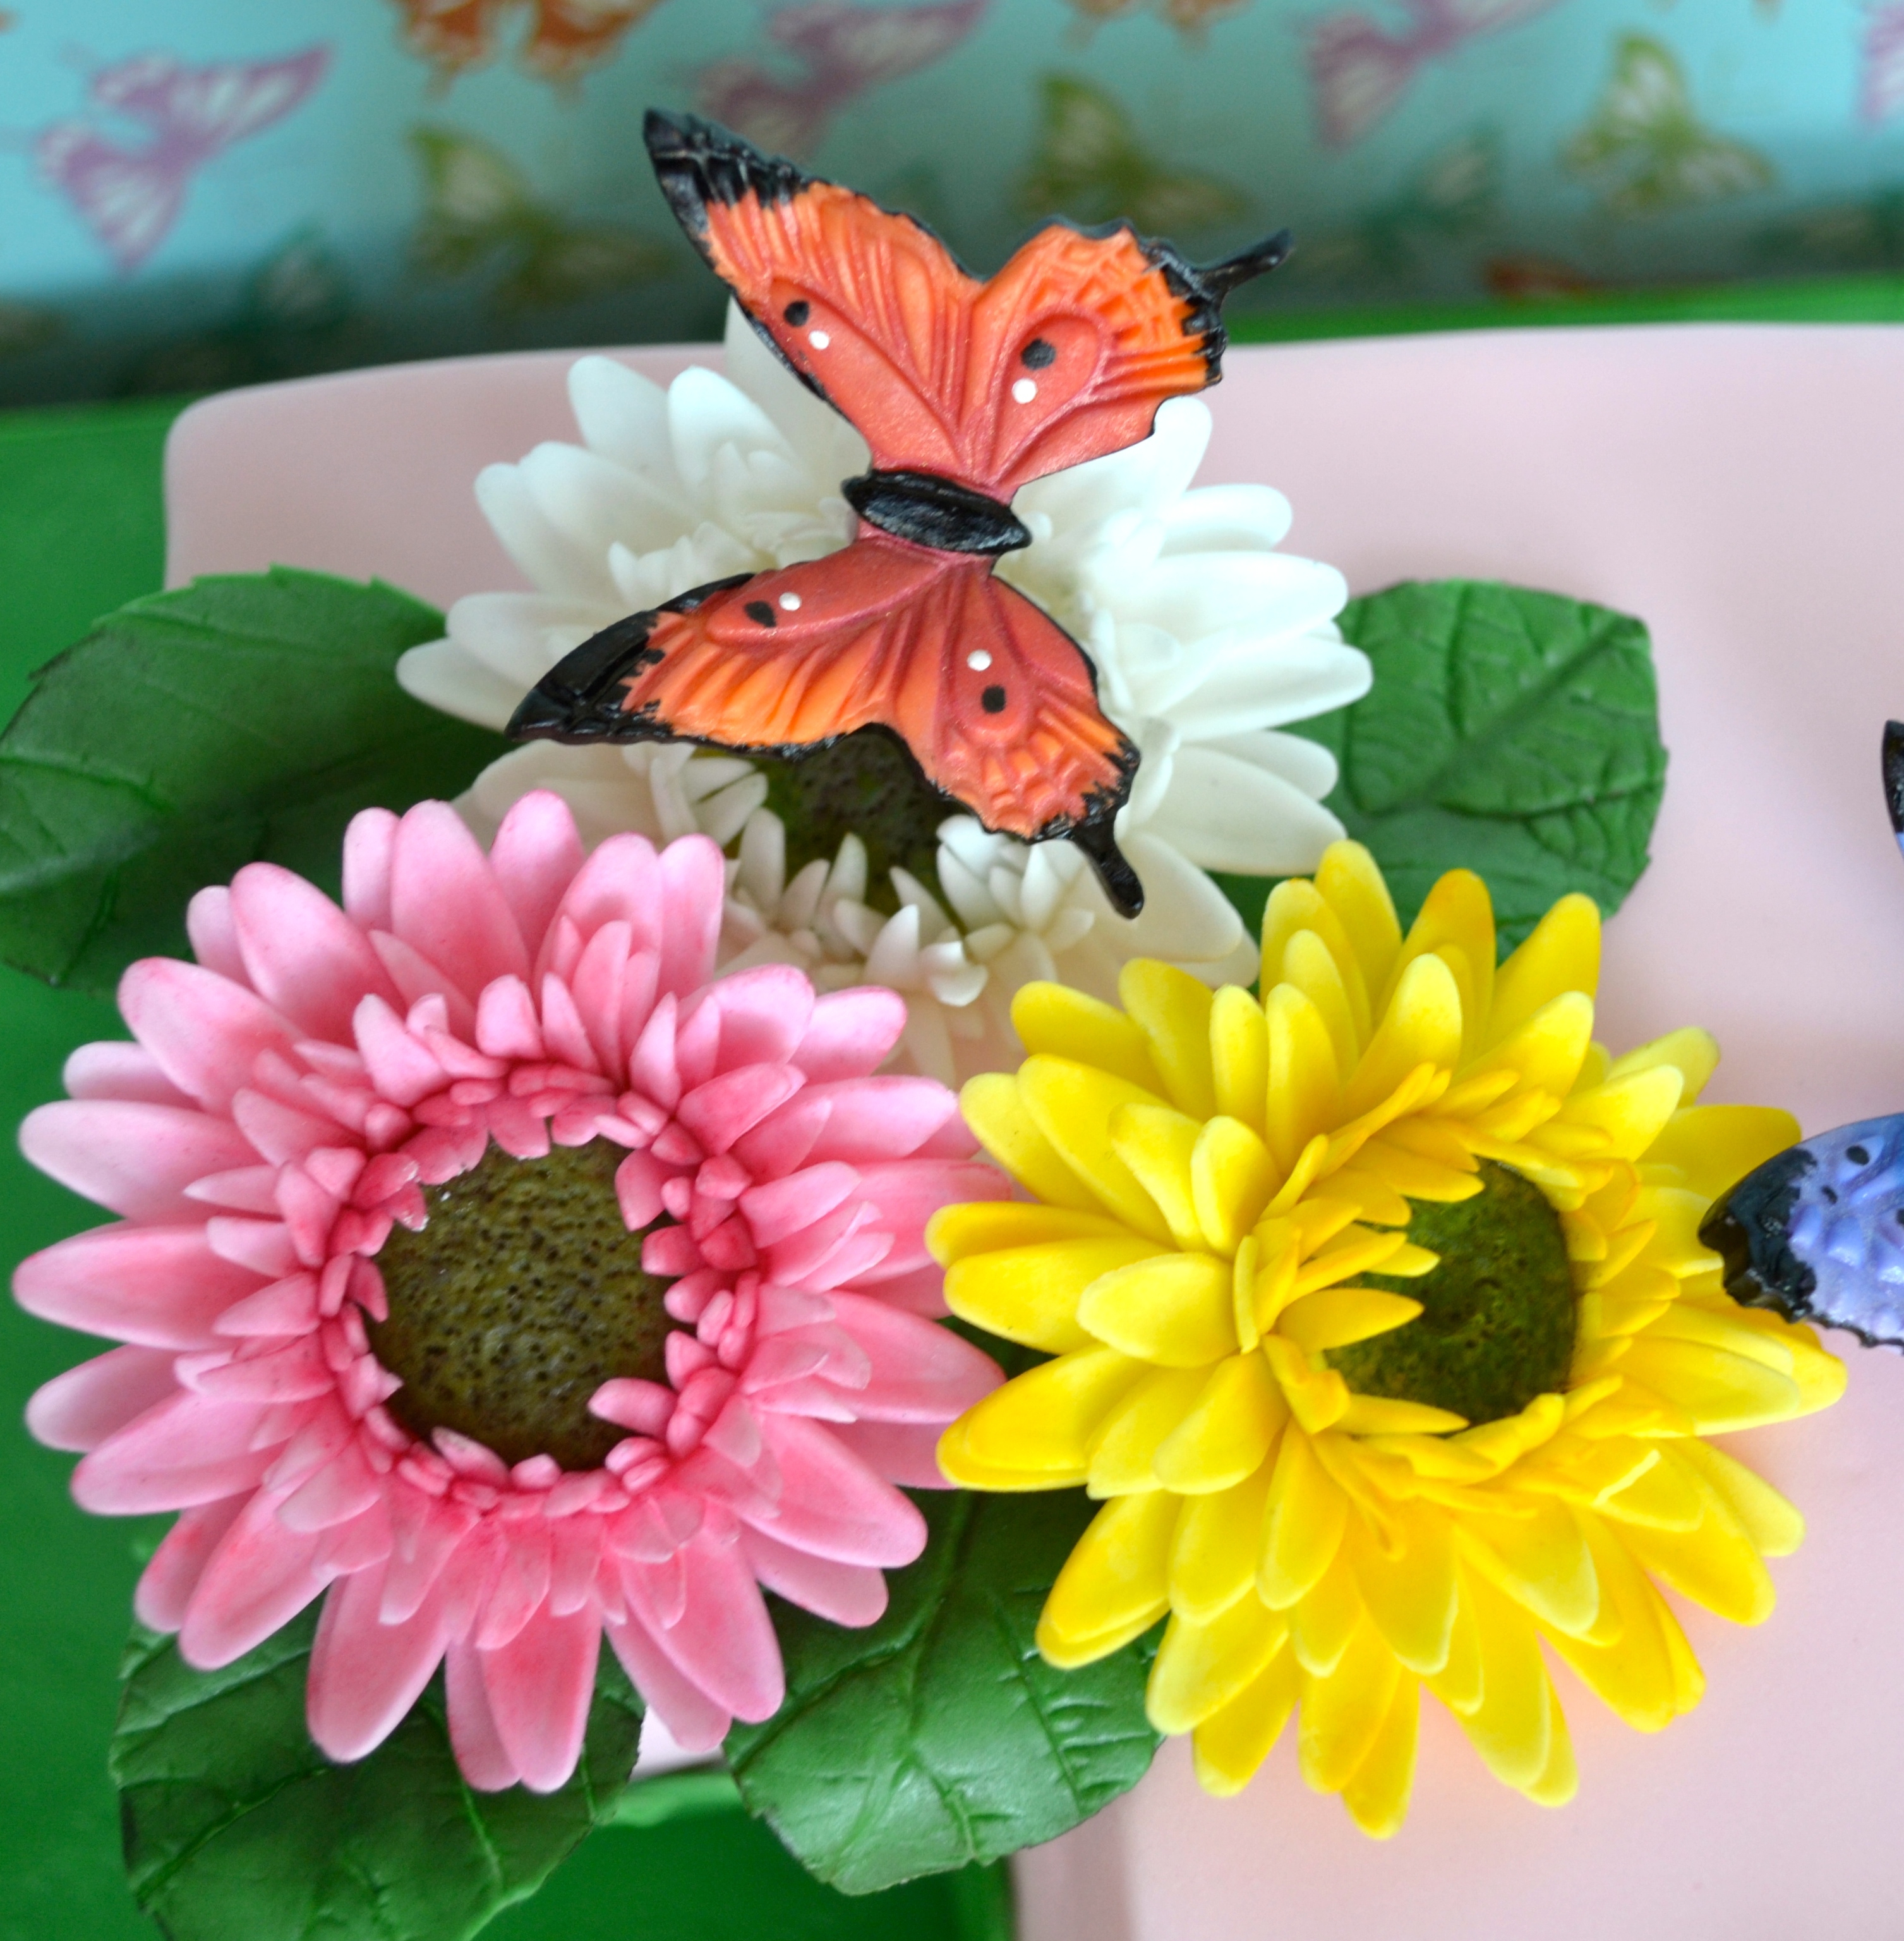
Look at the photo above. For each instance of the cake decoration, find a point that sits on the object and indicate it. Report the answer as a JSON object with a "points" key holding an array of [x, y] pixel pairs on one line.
{"points": [[1378, 1319], [965, 392], [1816, 1233]]}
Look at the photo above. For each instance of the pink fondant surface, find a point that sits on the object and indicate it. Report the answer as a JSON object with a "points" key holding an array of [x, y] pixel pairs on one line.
{"points": [[1740, 488]]}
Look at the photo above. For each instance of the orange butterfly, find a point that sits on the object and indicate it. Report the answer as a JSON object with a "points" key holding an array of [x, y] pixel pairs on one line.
{"points": [[566, 37], [965, 391]]}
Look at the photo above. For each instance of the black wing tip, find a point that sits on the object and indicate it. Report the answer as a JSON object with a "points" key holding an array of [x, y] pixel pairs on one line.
{"points": [[1893, 763], [713, 164], [1220, 279], [1098, 841]]}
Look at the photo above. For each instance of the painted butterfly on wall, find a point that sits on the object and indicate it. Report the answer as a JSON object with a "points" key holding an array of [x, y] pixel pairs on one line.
{"points": [[1646, 145], [1453, 194], [566, 38], [1817, 1231], [129, 197], [479, 211], [846, 50], [964, 391], [1881, 83], [1090, 163], [1358, 70]]}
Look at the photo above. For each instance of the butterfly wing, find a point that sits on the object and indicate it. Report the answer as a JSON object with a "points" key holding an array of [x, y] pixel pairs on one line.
{"points": [[1006, 723], [1881, 83], [474, 199], [1814, 1232], [571, 36], [129, 201], [1356, 73], [849, 49], [218, 105], [453, 36]]}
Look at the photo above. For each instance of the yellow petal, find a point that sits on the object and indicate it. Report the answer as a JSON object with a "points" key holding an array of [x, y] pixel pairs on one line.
{"points": [[1659, 1494], [995, 1111], [1323, 1622], [1377, 1796], [1232, 1176], [1296, 907], [1717, 1391], [1071, 1105], [1562, 955], [1156, 1142], [1054, 1018], [1358, 1250], [1387, 1415], [1410, 1593], [1631, 1111], [1175, 1310], [1123, 1455], [1302, 1530], [1715, 1146], [1230, 1745], [1201, 1668], [987, 1226], [1344, 1712], [1173, 1010], [1304, 1082], [1458, 917], [1240, 1056], [1309, 967], [1633, 1676], [1213, 1556], [1112, 1587], [1458, 1683], [1693, 1053], [1229, 1431], [1349, 880], [1548, 1050], [1318, 1398], [1031, 1294], [1773, 1525], [1559, 1777], [1339, 1316], [1422, 1025], [1540, 1560], [1039, 1426], [1512, 1726], [1714, 1565]]}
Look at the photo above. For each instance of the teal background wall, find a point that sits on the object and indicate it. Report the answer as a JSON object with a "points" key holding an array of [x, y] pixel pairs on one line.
{"points": [[198, 193]]}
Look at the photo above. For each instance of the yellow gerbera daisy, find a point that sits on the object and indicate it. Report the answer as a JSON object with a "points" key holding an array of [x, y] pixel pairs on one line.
{"points": [[1339, 1490]]}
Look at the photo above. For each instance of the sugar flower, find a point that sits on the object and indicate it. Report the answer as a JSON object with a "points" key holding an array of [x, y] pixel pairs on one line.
{"points": [[487, 1271], [1207, 641], [1379, 1320]]}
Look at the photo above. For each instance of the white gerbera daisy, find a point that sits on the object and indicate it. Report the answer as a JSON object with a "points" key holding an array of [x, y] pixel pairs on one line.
{"points": [[1207, 642]]}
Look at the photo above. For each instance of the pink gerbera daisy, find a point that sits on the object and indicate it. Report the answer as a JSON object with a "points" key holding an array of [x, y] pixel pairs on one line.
{"points": [[388, 1334]]}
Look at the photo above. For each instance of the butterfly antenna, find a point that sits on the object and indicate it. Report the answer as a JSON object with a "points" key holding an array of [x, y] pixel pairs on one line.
{"points": [[1220, 279], [1894, 776]]}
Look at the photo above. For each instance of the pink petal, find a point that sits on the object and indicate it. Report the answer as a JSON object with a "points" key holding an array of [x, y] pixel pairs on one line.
{"points": [[80, 1409], [908, 1192], [302, 954], [134, 1158], [787, 1206], [852, 1033], [278, 1131], [506, 1023], [905, 1453], [184, 1451], [921, 1372], [205, 1030], [522, 1584], [539, 1686], [621, 882], [445, 900], [765, 1012], [535, 856], [159, 1287], [425, 1531], [259, 1578], [213, 934], [883, 1118], [596, 988], [369, 845], [400, 1067], [365, 1674], [165, 1585], [720, 1111], [922, 1291], [416, 978], [473, 1737], [113, 1069], [832, 1504], [724, 1642], [343, 1488], [846, 1594], [638, 1181], [695, 1723], [694, 879]]}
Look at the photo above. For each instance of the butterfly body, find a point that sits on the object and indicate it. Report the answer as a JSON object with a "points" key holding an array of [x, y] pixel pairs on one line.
{"points": [[1817, 1231], [964, 390]]}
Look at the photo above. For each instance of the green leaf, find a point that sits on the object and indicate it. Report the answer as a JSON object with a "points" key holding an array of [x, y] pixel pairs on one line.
{"points": [[939, 1736], [1510, 732], [192, 733], [238, 1829]]}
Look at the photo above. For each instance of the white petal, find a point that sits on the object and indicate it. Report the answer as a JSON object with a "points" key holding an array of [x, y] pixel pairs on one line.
{"points": [[832, 448], [623, 416], [1186, 918], [1305, 764], [442, 675], [722, 815], [595, 502], [763, 858], [1214, 592], [705, 412], [1297, 678], [1227, 518], [1223, 813], [554, 560], [521, 636]]}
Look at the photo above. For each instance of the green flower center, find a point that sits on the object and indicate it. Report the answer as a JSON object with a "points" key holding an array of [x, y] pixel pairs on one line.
{"points": [[1496, 1328], [864, 784], [523, 1293]]}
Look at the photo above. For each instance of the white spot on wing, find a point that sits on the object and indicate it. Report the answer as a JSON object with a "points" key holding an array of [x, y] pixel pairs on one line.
{"points": [[978, 660], [789, 603], [1024, 390], [818, 339]]}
